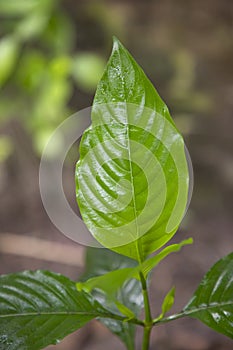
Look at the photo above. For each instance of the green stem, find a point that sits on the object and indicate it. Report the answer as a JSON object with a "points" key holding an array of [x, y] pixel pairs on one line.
{"points": [[146, 338], [148, 323]]}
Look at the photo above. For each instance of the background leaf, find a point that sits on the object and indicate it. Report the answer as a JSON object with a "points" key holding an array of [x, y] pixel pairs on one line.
{"points": [[11, 7], [132, 176], [40, 308], [102, 261], [9, 50], [212, 303], [87, 70]]}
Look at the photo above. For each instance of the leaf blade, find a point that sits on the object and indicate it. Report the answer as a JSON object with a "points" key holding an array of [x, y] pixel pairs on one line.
{"points": [[150, 263], [127, 111], [40, 308], [212, 302]]}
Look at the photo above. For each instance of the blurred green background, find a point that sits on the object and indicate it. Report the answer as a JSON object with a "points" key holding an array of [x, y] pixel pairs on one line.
{"points": [[52, 54]]}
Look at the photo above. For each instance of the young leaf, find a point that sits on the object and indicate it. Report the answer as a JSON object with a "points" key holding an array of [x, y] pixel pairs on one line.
{"points": [[212, 303], [150, 263], [40, 308], [110, 282], [167, 303], [102, 262], [132, 176]]}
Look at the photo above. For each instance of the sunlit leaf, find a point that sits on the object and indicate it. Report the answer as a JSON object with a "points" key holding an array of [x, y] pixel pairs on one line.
{"points": [[132, 177]]}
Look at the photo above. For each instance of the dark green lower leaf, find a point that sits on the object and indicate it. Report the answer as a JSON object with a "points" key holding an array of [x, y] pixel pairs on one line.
{"points": [[212, 303], [40, 308]]}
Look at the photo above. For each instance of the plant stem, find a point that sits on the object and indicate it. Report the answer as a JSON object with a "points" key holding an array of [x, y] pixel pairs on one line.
{"points": [[146, 338], [148, 323]]}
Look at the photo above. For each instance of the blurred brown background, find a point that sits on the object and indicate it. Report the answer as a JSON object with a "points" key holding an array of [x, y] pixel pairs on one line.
{"points": [[52, 54]]}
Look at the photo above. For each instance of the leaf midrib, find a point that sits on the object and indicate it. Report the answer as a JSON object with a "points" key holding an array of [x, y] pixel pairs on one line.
{"points": [[207, 307], [137, 245], [189, 312]]}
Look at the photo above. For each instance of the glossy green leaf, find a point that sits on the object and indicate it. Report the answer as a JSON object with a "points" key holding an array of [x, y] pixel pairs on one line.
{"points": [[102, 262], [132, 176], [212, 303], [40, 308]]}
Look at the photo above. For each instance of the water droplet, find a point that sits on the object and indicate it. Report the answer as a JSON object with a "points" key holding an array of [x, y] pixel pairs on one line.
{"points": [[216, 317]]}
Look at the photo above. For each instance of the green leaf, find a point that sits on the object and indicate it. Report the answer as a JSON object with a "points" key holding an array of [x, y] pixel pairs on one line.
{"points": [[103, 262], [212, 303], [132, 176], [9, 51], [40, 308], [112, 281], [149, 264], [167, 303]]}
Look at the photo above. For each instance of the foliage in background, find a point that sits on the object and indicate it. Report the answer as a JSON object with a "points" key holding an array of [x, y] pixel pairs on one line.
{"points": [[40, 67]]}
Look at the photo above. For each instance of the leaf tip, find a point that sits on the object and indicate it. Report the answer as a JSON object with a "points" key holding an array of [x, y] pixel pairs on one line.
{"points": [[190, 240], [116, 43]]}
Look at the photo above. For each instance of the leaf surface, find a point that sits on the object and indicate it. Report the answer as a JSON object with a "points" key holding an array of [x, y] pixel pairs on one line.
{"points": [[132, 177], [212, 303], [40, 308]]}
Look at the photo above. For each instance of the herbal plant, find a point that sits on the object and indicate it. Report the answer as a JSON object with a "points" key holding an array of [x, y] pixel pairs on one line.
{"points": [[132, 183]]}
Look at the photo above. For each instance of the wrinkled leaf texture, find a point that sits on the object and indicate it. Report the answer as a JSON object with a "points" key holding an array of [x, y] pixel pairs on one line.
{"points": [[132, 152]]}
